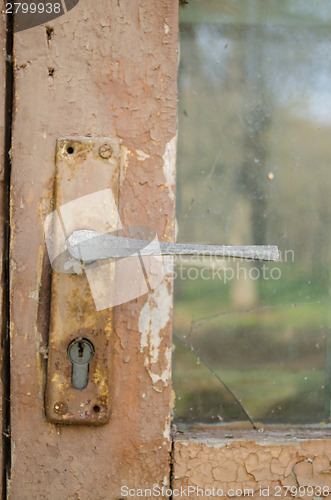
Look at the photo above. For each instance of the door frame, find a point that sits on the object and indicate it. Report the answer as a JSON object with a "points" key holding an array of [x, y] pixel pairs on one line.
{"points": [[105, 69]]}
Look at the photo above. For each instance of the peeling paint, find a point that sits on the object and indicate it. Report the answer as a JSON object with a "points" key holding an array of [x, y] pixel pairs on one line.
{"points": [[166, 432], [124, 163], [141, 155], [169, 166], [252, 462], [153, 318]]}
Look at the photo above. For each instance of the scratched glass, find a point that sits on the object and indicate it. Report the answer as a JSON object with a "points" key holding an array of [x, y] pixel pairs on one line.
{"points": [[252, 340]]}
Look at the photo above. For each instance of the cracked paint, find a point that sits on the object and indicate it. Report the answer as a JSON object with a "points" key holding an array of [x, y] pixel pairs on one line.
{"points": [[126, 153], [253, 463]]}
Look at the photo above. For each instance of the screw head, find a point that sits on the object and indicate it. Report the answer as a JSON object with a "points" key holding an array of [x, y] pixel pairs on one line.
{"points": [[60, 408], [105, 151]]}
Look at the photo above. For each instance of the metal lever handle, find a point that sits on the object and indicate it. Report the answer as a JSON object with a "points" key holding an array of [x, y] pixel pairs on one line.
{"points": [[89, 246]]}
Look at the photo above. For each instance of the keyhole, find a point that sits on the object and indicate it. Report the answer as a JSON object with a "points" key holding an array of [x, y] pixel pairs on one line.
{"points": [[80, 353], [80, 349]]}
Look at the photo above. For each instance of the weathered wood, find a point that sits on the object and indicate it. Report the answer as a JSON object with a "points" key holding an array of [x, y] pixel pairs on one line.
{"points": [[2, 209], [252, 464], [107, 68]]}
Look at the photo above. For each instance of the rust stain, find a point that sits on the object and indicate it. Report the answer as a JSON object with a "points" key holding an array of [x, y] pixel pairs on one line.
{"points": [[73, 311]]}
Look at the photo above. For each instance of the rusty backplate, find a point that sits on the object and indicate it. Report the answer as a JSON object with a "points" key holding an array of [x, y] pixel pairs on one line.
{"points": [[86, 192]]}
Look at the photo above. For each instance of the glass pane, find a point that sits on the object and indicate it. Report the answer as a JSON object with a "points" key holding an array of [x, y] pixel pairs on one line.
{"points": [[252, 339]]}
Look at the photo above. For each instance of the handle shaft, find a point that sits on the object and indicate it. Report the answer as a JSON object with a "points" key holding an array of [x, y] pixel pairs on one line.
{"points": [[87, 246]]}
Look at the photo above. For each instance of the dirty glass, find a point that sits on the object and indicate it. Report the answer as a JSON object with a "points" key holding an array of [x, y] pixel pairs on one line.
{"points": [[252, 339]]}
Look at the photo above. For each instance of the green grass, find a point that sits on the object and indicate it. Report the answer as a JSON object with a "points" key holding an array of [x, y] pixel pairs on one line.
{"points": [[272, 356]]}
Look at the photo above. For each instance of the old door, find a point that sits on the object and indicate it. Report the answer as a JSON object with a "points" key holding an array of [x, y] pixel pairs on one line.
{"points": [[101, 71], [94, 89]]}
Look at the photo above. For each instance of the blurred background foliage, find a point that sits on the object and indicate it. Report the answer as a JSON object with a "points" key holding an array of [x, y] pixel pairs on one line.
{"points": [[253, 167]]}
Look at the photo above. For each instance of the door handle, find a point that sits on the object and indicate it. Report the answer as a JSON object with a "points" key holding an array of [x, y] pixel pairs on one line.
{"points": [[87, 246], [78, 388]]}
